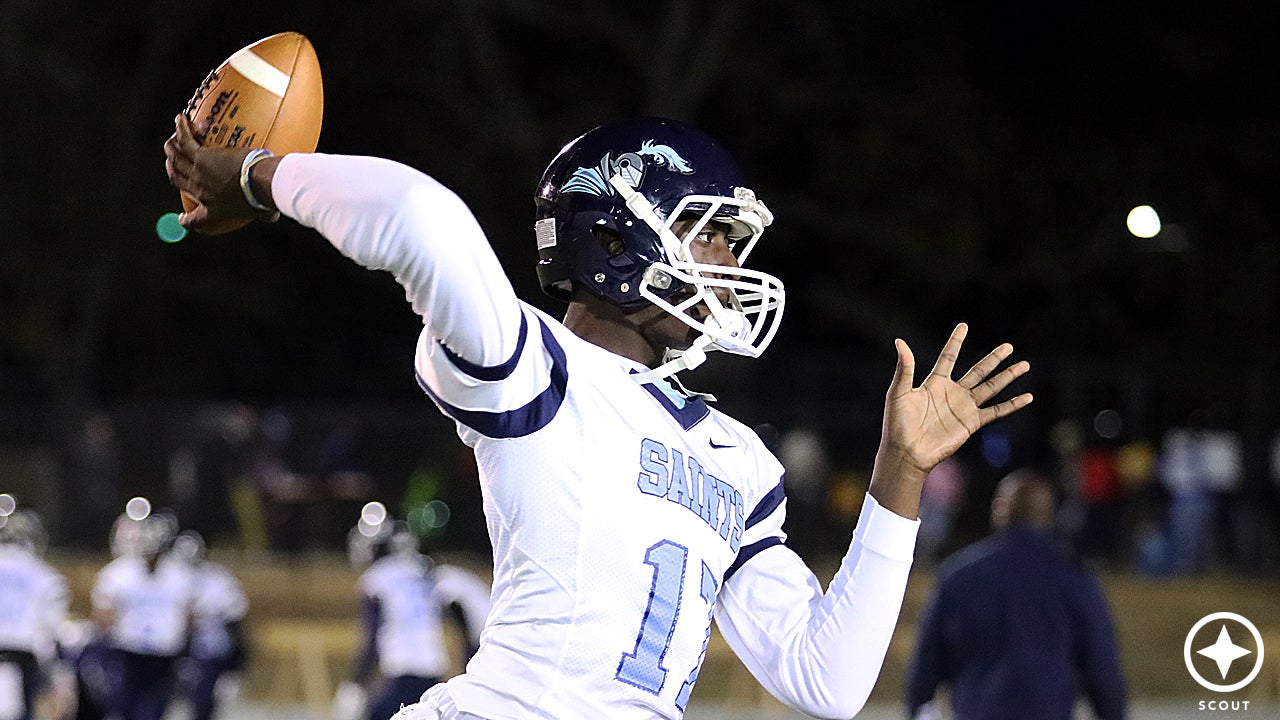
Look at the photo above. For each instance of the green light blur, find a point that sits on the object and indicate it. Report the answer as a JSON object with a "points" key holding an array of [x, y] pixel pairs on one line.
{"points": [[169, 229]]}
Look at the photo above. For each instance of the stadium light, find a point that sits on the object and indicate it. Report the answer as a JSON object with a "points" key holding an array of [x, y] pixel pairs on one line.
{"points": [[1143, 222]]}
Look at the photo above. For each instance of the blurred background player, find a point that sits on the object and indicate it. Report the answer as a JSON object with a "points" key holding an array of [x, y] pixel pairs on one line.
{"points": [[87, 648], [143, 602], [210, 675], [404, 599], [95, 675], [33, 603], [1016, 623]]}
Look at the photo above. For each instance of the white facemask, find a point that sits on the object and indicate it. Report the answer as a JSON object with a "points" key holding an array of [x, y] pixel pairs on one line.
{"points": [[747, 321]]}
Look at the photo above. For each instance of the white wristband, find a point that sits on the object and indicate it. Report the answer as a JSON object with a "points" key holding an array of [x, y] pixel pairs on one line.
{"points": [[253, 158]]}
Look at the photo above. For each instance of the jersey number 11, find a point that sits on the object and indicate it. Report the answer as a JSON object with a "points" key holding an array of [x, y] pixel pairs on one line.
{"points": [[642, 667]]}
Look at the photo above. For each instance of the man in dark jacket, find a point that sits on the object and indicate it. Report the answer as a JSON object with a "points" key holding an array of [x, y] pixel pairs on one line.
{"points": [[1016, 626]]}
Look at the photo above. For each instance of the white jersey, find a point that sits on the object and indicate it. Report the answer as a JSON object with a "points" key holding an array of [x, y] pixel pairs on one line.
{"points": [[622, 516], [410, 601], [33, 602], [152, 609], [219, 600]]}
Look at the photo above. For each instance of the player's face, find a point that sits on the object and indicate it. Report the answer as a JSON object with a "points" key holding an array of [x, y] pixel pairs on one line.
{"points": [[710, 246]]}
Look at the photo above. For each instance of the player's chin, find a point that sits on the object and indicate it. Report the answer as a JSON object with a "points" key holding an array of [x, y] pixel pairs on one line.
{"points": [[685, 341], [669, 338]]}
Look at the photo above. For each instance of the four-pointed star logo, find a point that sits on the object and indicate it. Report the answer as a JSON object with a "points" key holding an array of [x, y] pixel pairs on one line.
{"points": [[1224, 652]]}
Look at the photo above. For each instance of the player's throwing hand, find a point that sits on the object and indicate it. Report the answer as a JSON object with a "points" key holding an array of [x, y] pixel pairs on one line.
{"points": [[212, 177]]}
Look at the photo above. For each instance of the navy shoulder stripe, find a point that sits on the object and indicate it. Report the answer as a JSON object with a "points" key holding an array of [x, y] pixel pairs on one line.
{"points": [[525, 420], [749, 552], [491, 373], [767, 504]]}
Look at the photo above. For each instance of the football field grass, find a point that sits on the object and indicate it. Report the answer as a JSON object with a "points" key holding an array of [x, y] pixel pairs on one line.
{"points": [[1180, 709]]}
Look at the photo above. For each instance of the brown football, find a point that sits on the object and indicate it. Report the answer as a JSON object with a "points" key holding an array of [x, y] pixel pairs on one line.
{"points": [[267, 95]]}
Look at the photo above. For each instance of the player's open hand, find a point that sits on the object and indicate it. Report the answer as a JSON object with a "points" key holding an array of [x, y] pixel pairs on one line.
{"points": [[210, 176], [924, 425]]}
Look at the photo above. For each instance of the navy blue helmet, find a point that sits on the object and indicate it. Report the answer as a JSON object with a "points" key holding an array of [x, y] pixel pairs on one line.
{"points": [[604, 213]]}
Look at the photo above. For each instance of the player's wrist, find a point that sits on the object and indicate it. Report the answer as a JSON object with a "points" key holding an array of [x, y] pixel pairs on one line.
{"points": [[256, 174], [896, 482], [899, 462]]}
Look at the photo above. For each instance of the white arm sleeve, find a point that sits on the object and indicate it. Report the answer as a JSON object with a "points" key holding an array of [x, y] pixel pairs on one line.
{"points": [[821, 653], [387, 216]]}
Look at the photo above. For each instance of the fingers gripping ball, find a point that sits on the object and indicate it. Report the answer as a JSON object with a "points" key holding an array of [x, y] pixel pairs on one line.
{"points": [[267, 95]]}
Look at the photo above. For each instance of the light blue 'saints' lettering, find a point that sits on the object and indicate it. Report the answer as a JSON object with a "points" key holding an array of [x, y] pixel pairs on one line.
{"points": [[684, 480], [735, 537], [697, 487], [679, 490], [653, 473]]}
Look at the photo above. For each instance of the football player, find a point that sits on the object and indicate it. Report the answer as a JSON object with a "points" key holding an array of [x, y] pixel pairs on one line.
{"points": [[210, 674], [143, 602], [624, 511], [33, 603], [404, 599]]}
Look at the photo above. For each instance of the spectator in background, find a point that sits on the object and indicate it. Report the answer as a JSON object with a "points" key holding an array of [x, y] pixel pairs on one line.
{"points": [[343, 464], [404, 598], [1263, 494], [33, 603], [803, 453], [340, 463], [1102, 502], [1201, 468], [1015, 624], [204, 472], [210, 674], [1067, 440], [284, 490], [91, 481], [1224, 477]]}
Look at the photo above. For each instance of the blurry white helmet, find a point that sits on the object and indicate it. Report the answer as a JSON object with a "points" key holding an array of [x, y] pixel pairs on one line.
{"points": [[22, 528], [378, 535], [124, 536], [155, 533], [189, 547]]}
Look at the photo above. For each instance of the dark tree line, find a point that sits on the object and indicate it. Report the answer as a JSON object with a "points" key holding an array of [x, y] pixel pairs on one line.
{"points": [[928, 163]]}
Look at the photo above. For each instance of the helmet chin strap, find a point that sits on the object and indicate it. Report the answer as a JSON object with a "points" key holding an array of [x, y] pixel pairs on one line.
{"points": [[679, 360], [696, 353]]}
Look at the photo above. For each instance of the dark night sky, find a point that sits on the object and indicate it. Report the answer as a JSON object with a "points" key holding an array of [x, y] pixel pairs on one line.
{"points": [[928, 163]]}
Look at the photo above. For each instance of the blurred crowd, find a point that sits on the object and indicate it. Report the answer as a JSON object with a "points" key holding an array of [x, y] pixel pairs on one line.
{"points": [[234, 477], [266, 479], [1188, 500]]}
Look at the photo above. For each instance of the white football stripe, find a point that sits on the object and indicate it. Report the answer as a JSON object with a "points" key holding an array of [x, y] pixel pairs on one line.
{"points": [[260, 72]]}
